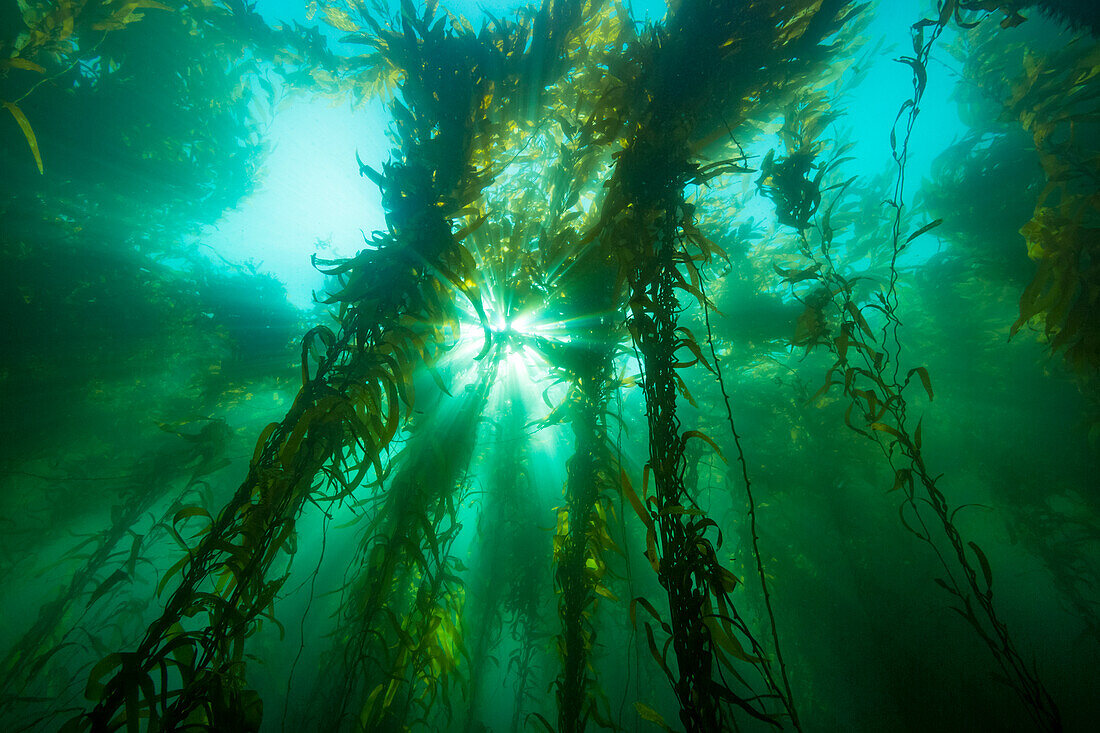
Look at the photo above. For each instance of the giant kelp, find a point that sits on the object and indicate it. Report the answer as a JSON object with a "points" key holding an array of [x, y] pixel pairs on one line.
{"points": [[554, 203]]}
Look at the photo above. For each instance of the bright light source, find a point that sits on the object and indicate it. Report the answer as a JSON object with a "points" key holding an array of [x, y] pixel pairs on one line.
{"points": [[311, 198]]}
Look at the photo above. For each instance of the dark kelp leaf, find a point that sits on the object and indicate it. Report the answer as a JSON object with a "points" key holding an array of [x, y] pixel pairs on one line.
{"points": [[114, 579], [902, 478], [848, 420], [925, 379], [94, 687], [639, 601], [987, 571], [905, 522], [545, 723], [927, 227], [657, 656], [797, 276], [727, 642], [857, 315], [707, 439], [943, 584]]}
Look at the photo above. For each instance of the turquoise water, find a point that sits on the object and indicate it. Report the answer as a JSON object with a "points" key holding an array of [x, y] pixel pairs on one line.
{"points": [[470, 366]]}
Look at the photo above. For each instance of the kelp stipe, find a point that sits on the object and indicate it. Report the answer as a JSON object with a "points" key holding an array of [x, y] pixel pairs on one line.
{"points": [[872, 383]]}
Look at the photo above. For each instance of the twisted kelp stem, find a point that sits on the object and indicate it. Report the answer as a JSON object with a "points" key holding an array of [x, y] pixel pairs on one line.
{"points": [[1040, 704], [922, 47], [791, 708], [875, 388], [642, 219], [680, 561], [392, 300], [883, 406], [210, 655]]}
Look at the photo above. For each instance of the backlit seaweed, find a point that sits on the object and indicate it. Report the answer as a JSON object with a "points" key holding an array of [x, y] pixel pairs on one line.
{"points": [[867, 367]]}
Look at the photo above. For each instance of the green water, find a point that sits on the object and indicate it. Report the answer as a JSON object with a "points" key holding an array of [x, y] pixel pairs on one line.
{"points": [[469, 366]]}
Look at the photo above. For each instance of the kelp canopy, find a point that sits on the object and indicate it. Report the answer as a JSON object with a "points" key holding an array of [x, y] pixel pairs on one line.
{"points": [[619, 421]]}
